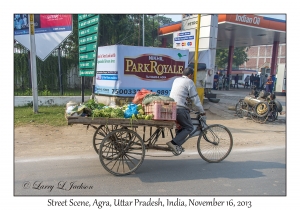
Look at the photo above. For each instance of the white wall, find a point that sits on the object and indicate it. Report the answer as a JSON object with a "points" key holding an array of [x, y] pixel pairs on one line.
{"points": [[48, 100]]}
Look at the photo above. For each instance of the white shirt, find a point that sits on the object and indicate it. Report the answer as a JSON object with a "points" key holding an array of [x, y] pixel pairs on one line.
{"points": [[184, 88]]}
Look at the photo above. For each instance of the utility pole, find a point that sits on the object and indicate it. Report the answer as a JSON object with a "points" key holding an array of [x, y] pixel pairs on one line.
{"points": [[33, 63], [59, 71], [200, 90], [196, 49], [143, 30]]}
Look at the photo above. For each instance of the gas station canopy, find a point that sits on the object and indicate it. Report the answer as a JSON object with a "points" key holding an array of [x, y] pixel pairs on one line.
{"points": [[239, 30]]}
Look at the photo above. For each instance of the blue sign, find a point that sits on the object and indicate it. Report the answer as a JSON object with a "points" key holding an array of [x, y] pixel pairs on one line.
{"points": [[184, 34], [107, 77], [184, 38]]}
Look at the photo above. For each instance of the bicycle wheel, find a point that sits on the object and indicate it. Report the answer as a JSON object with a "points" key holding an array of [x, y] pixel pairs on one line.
{"points": [[121, 152], [214, 143]]}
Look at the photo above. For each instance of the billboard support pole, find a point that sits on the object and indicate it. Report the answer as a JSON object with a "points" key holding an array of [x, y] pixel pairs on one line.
{"points": [[59, 72], [33, 64], [82, 89]]}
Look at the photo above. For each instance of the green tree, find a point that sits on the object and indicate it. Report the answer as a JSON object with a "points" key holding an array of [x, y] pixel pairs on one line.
{"points": [[239, 57]]}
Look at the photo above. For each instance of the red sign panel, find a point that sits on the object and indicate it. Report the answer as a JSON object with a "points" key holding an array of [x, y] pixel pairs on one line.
{"points": [[153, 67], [55, 20]]}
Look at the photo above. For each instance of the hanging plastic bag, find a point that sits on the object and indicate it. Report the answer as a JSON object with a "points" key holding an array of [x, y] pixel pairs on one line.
{"points": [[131, 109]]}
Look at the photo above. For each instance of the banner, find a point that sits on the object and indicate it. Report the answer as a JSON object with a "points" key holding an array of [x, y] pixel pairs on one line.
{"points": [[43, 23], [124, 70], [50, 31]]}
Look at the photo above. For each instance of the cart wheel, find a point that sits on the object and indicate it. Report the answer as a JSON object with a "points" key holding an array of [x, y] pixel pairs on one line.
{"points": [[261, 109], [273, 114], [257, 118], [241, 108], [215, 143], [100, 134], [121, 152]]}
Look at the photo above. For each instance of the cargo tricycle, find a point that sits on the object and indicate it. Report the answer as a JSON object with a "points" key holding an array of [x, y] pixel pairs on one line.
{"points": [[122, 143]]}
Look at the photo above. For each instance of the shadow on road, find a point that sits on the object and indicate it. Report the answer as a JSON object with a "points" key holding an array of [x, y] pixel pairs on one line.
{"points": [[178, 170]]}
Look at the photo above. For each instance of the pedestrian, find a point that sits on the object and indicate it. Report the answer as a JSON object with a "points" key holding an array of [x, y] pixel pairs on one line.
{"points": [[247, 81], [263, 82], [251, 79], [216, 79], [220, 82], [236, 81], [184, 90], [256, 81], [269, 84]]}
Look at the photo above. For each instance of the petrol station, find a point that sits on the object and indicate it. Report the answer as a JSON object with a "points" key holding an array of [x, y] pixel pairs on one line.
{"points": [[228, 31]]}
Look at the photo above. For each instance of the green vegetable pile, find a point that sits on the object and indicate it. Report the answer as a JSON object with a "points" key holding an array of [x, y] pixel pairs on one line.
{"points": [[93, 109], [92, 104]]}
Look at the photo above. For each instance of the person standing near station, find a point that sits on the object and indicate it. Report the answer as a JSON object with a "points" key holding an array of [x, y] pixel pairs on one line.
{"points": [[247, 81], [236, 81], [251, 79], [216, 79], [269, 84], [256, 81], [263, 82]]}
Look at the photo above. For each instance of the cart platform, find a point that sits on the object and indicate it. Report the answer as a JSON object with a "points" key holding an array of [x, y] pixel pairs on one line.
{"points": [[119, 121]]}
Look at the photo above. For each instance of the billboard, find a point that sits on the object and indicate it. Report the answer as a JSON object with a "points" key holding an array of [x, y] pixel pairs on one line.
{"points": [[50, 31], [124, 70]]}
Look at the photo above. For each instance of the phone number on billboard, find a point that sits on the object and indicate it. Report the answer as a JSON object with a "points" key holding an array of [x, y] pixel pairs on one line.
{"points": [[134, 91]]}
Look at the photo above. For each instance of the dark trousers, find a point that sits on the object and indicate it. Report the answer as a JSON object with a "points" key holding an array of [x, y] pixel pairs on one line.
{"points": [[183, 118], [236, 84], [246, 84]]}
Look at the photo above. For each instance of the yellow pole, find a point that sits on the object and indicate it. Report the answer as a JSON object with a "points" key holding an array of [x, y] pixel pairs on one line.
{"points": [[199, 90]]}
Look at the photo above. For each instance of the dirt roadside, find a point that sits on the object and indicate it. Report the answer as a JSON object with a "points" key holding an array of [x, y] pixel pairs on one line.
{"points": [[39, 141]]}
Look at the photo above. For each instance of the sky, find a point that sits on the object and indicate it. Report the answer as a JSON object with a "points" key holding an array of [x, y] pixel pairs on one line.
{"points": [[177, 17]]}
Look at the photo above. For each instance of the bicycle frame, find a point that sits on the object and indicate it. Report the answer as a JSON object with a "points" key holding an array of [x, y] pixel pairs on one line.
{"points": [[198, 123]]}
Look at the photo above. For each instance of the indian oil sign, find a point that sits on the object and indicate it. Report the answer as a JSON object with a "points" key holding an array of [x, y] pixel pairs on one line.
{"points": [[132, 68], [153, 67]]}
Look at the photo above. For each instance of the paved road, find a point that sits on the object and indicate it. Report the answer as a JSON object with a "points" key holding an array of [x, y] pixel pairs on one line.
{"points": [[244, 172]]}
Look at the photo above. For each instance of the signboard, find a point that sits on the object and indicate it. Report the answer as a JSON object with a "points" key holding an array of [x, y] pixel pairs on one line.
{"points": [[123, 70], [50, 31], [88, 25], [189, 21], [184, 39]]}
